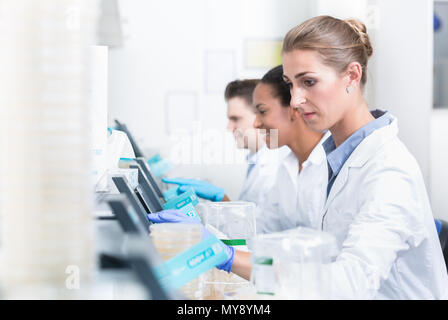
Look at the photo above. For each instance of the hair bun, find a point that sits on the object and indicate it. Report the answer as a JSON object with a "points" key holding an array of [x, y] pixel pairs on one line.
{"points": [[361, 30]]}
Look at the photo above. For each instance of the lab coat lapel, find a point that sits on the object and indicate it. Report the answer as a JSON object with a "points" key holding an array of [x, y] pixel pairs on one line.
{"points": [[360, 156], [338, 185]]}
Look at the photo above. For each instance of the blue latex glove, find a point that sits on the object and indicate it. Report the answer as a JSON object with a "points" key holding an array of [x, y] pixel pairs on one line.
{"points": [[176, 216], [202, 189]]}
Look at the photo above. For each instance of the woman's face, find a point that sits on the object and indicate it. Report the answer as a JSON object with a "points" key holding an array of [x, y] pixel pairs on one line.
{"points": [[317, 90], [271, 115]]}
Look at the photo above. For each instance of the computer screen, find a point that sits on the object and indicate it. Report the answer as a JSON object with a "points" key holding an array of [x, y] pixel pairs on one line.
{"points": [[125, 214], [150, 177], [124, 188], [146, 192]]}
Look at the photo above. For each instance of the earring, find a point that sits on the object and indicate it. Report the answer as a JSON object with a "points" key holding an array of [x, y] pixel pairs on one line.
{"points": [[349, 89]]}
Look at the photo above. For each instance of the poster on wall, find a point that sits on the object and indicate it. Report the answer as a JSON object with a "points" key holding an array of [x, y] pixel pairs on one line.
{"points": [[263, 53]]}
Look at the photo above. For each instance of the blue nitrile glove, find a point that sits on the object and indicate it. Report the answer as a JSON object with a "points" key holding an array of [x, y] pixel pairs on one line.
{"points": [[202, 189], [176, 216]]}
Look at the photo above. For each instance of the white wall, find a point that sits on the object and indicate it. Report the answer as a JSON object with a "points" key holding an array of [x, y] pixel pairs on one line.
{"points": [[166, 45], [441, 56], [439, 121], [165, 50], [400, 70], [404, 72], [439, 161]]}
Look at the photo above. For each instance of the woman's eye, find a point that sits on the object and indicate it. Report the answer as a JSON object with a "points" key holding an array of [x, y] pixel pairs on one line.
{"points": [[289, 84], [309, 82]]}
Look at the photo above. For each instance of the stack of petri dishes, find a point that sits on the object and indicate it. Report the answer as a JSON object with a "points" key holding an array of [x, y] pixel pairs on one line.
{"points": [[171, 239]]}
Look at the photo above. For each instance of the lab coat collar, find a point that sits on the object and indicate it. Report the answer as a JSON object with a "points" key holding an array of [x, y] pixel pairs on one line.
{"points": [[316, 157], [365, 151], [269, 157], [368, 148], [318, 154], [291, 164], [252, 157]]}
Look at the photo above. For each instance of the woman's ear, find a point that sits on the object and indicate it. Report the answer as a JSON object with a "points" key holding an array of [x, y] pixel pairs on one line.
{"points": [[353, 75], [294, 114]]}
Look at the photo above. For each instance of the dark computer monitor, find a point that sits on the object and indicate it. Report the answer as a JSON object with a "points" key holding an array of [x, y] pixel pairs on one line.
{"points": [[122, 127], [124, 188], [150, 177], [125, 214], [140, 261], [146, 192]]}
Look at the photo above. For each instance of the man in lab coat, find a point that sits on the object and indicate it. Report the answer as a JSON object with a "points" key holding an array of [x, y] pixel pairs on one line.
{"points": [[262, 162]]}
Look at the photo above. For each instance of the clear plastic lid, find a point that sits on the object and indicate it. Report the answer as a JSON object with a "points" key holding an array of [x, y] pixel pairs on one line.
{"points": [[235, 219], [295, 245], [231, 204]]}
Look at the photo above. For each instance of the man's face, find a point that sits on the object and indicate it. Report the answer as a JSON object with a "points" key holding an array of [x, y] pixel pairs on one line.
{"points": [[241, 119]]}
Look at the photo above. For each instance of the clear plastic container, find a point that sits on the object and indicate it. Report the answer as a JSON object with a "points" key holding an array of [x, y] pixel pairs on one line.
{"points": [[220, 285], [234, 223], [171, 239], [291, 264], [233, 219]]}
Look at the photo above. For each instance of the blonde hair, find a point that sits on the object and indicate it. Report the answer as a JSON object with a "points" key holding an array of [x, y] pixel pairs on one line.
{"points": [[339, 42]]}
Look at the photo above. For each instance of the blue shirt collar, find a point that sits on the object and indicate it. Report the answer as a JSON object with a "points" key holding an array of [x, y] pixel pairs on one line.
{"points": [[336, 157]]}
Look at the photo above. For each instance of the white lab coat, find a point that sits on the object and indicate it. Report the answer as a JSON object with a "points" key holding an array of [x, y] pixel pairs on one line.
{"points": [[296, 199], [262, 176], [379, 212]]}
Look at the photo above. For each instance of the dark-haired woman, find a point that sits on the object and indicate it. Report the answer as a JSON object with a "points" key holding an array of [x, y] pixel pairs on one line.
{"points": [[298, 194]]}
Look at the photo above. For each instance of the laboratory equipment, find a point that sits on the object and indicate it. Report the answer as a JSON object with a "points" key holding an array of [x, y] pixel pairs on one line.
{"points": [[147, 191], [147, 171], [235, 220], [131, 176], [291, 264], [234, 224], [122, 127], [139, 259], [124, 188], [150, 189], [141, 254], [118, 146], [171, 239], [126, 215]]}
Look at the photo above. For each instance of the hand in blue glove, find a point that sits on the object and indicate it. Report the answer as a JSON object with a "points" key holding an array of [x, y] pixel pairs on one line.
{"points": [[172, 216], [176, 216], [203, 189]]}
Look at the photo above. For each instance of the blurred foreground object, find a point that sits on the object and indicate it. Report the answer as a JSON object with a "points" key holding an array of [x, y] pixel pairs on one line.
{"points": [[47, 235]]}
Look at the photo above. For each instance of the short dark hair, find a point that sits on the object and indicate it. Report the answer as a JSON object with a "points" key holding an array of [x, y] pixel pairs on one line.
{"points": [[242, 89], [280, 88]]}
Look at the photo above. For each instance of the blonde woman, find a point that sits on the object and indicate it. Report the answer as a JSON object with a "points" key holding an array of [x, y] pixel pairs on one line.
{"points": [[376, 202]]}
